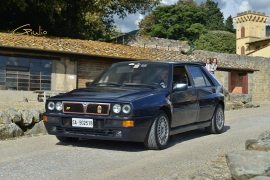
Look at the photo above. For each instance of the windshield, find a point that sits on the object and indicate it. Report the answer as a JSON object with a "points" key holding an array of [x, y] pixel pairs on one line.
{"points": [[145, 74]]}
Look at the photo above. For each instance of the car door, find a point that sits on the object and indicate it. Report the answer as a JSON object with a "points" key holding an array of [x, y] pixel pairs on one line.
{"points": [[185, 102], [206, 93]]}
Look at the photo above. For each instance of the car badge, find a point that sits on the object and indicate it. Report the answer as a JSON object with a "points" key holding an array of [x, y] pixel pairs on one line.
{"points": [[84, 104], [99, 109], [67, 108]]}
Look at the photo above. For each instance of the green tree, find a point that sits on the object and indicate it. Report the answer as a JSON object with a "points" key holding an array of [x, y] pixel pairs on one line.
{"points": [[85, 19], [217, 41], [146, 23], [229, 24], [195, 30], [213, 16], [172, 21]]}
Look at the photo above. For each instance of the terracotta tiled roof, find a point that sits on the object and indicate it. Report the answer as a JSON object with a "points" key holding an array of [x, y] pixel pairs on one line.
{"points": [[105, 49], [77, 46]]}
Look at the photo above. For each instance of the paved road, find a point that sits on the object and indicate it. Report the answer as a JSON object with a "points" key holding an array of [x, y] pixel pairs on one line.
{"points": [[190, 155]]}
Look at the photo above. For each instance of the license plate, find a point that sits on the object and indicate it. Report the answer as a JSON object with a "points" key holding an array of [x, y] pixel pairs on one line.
{"points": [[79, 122]]}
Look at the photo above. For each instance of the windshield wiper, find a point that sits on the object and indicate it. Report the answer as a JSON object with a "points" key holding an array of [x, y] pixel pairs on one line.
{"points": [[140, 85], [107, 83]]}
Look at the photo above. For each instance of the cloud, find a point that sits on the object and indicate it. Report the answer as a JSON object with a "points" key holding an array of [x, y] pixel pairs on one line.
{"points": [[228, 8], [130, 23], [244, 6]]}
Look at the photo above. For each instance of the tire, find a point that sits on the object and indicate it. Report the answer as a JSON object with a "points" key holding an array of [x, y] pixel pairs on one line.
{"points": [[67, 139], [217, 122], [159, 133]]}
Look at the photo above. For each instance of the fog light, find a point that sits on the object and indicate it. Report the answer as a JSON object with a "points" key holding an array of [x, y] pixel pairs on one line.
{"points": [[117, 133], [128, 123], [53, 119], [53, 129], [114, 123]]}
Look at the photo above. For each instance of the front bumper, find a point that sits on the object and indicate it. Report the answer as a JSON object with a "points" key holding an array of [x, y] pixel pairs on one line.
{"points": [[61, 125]]}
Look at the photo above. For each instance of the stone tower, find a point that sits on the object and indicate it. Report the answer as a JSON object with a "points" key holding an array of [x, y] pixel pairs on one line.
{"points": [[250, 26]]}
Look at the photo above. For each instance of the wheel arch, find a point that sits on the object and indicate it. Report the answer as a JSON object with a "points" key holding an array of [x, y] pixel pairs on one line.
{"points": [[167, 110], [222, 104]]}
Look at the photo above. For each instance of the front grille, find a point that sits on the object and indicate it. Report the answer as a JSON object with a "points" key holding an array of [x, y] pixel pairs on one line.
{"points": [[86, 108], [89, 132], [97, 109], [73, 108]]}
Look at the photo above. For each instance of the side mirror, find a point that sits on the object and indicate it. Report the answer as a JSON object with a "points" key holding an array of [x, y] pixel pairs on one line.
{"points": [[88, 84], [180, 87]]}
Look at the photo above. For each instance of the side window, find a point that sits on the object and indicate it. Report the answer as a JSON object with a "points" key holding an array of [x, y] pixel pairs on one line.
{"points": [[180, 75], [208, 83], [197, 76]]}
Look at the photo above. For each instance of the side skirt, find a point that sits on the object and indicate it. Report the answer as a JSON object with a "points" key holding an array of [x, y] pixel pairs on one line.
{"points": [[190, 127]]}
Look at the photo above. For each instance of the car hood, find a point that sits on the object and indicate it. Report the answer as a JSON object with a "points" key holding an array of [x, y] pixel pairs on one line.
{"points": [[106, 94]]}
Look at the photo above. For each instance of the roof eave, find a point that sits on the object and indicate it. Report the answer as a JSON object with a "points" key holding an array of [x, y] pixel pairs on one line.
{"points": [[230, 69], [56, 53]]}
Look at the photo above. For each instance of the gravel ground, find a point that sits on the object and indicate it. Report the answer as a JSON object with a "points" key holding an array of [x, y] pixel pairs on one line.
{"points": [[191, 155]]}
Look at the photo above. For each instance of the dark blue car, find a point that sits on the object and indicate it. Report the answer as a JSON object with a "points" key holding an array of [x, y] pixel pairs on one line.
{"points": [[142, 101]]}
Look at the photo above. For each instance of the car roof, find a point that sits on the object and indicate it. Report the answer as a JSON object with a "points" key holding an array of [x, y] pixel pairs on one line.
{"points": [[165, 62]]}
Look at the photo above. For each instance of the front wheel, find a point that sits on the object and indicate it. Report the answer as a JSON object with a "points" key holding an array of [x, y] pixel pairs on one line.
{"points": [[217, 122], [158, 136], [67, 139]]}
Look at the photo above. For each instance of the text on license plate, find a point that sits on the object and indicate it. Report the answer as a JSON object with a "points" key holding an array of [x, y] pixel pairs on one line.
{"points": [[79, 122]]}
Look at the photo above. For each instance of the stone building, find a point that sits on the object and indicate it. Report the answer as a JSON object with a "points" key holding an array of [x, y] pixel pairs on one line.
{"points": [[251, 36]]}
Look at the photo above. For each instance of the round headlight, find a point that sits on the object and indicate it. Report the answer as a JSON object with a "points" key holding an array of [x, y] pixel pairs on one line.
{"points": [[126, 109], [51, 105], [58, 106], [116, 108]]}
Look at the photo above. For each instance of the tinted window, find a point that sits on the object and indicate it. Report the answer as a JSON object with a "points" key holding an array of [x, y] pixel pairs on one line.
{"points": [[208, 83], [197, 76], [146, 73], [19, 73], [180, 75]]}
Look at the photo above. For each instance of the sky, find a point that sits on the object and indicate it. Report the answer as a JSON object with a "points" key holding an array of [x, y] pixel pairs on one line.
{"points": [[227, 7]]}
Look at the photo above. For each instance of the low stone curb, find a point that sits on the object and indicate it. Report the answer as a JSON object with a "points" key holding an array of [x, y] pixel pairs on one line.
{"points": [[15, 123], [252, 163]]}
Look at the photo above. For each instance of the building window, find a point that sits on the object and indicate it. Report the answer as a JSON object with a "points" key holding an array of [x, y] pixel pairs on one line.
{"points": [[242, 32], [242, 50], [258, 47], [26, 74]]}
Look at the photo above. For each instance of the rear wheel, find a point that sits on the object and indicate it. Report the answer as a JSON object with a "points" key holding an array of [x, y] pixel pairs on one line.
{"points": [[158, 136], [67, 139], [217, 122]]}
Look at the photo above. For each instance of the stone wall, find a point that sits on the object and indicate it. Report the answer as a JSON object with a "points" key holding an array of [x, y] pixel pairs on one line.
{"points": [[21, 119], [153, 42], [64, 75], [89, 69]]}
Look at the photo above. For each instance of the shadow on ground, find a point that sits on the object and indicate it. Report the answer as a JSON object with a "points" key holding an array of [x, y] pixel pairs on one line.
{"points": [[136, 146], [190, 135]]}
